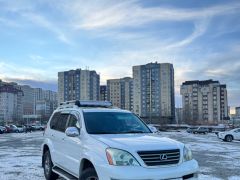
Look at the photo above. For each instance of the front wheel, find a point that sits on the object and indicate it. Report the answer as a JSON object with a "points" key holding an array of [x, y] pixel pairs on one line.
{"points": [[229, 138], [47, 166], [89, 174]]}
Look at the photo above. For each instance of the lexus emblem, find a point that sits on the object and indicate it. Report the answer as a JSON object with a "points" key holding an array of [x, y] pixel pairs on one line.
{"points": [[163, 157]]}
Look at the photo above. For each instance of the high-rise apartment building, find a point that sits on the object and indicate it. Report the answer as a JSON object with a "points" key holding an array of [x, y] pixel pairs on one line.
{"points": [[11, 108], [204, 102], [28, 100], [78, 84], [120, 92], [179, 116], [153, 87], [103, 93], [45, 102], [237, 111]]}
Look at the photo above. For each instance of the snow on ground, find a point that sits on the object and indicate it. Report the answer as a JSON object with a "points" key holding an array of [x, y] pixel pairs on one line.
{"points": [[217, 159], [20, 156]]}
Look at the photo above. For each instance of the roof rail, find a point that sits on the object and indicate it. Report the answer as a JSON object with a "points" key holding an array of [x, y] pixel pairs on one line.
{"points": [[84, 103]]}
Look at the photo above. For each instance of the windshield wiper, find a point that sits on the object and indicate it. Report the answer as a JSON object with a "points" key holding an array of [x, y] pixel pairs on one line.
{"points": [[133, 131], [105, 133]]}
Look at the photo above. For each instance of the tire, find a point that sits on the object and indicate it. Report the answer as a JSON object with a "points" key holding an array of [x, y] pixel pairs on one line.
{"points": [[47, 166], [229, 138], [89, 174]]}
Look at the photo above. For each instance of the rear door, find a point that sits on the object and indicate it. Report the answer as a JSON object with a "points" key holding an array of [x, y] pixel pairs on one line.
{"points": [[237, 134], [73, 146], [58, 136]]}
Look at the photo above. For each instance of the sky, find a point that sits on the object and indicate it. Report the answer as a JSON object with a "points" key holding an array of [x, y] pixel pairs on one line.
{"points": [[39, 38]]}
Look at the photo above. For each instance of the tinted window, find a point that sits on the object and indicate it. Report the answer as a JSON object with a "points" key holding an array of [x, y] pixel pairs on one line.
{"points": [[59, 121], [113, 123], [54, 120], [61, 125], [73, 122]]}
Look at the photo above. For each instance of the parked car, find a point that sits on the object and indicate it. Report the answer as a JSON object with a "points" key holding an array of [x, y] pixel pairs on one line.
{"points": [[8, 129], [92, 140], [2, 130], [231, 135], [190, 129], [200, 130], [21, 129], [28, 128], [38, 127], [14, 129]]}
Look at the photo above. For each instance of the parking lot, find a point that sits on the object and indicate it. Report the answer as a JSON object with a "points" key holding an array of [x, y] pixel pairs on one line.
{"points": [[20, 155]]}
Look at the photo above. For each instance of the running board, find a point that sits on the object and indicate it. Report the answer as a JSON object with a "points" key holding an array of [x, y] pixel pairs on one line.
{"points": [[63, 173]]}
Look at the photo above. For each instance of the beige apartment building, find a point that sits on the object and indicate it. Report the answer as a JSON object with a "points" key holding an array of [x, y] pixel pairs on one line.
{"points": [[120, 92], [204, 102]]}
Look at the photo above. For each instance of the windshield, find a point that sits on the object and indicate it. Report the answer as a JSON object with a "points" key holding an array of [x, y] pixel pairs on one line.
{"points": [[113, 123]]}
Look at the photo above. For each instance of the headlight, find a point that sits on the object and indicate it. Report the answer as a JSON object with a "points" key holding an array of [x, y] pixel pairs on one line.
{"points": [[119, 157], [187, 154]]}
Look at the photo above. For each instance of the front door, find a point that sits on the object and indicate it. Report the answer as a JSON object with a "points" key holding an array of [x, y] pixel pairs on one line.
{"points": [[73, 146]]}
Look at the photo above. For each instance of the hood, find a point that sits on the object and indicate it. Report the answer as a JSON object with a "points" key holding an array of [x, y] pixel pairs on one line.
{"points": [[138, 142]]}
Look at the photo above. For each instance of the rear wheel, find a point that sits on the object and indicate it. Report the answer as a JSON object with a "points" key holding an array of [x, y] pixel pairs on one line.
{"points": [[229, 138], [47, 166], [89, 174]]}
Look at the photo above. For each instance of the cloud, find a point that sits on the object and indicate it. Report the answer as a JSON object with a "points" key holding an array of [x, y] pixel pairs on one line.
{"points": [[41, 21], [51, 85], [104, 14], [199, 29]]}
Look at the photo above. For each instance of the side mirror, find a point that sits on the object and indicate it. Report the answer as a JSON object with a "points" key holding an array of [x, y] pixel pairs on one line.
{"points": [[72, 132], [153, 129]]}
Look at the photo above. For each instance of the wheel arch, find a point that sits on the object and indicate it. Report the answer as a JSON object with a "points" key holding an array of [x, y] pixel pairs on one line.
{"points": [[85, 164], [44, 150]]}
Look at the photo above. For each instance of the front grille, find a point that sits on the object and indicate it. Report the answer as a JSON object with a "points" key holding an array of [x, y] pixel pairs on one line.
{"points": [[159, 158]]}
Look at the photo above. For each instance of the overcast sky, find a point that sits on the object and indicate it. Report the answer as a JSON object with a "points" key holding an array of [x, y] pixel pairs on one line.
{"points": [[39, 38]]}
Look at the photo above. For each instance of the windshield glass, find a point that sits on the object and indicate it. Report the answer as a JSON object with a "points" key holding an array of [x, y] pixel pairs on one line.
{"points": [[113, 123]]}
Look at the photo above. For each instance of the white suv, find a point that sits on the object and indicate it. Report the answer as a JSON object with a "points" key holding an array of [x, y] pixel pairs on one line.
{"points": [[89, 140], [228, 136]]}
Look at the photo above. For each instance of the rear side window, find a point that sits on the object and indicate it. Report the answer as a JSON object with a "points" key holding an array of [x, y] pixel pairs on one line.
{"points": [[54, 120], [59, 121]]}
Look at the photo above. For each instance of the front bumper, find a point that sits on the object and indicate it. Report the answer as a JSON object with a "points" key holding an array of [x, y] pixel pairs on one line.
{"points": [[179, 172]]}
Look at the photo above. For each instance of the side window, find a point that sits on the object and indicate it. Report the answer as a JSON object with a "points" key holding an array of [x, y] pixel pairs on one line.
{"points": [[54, 120], [237, 131], [73, 122], [61, 125]]}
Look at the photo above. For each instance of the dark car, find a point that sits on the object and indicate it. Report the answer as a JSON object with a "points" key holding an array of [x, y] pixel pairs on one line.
{"points": [[29, 128], [201, 130], [2, 130], [191, 129]]}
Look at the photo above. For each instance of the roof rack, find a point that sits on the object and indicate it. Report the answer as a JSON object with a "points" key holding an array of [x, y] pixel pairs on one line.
{"points": [[84, 103]]}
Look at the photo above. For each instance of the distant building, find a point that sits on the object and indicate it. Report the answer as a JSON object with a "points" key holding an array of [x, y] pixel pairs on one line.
{"points": [[28, 100], [103, 93], [204, 102], [179, 116], [237, 111], [78, 84], [153, 87], [45, 102], [11, 108], [120, 92]]}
